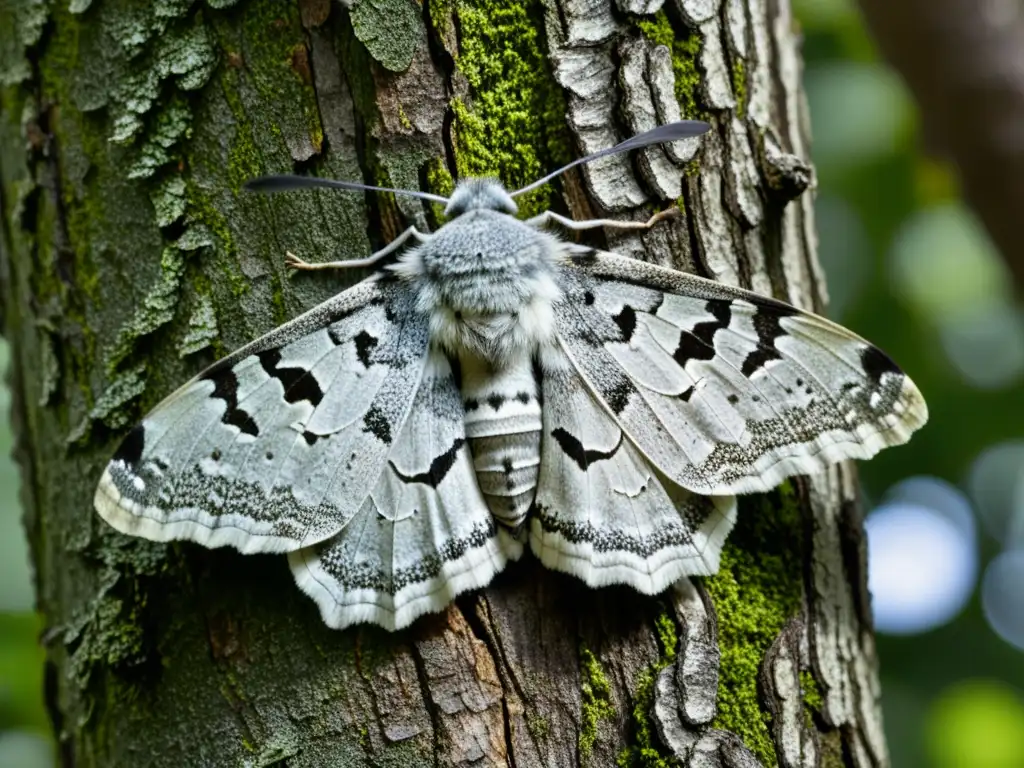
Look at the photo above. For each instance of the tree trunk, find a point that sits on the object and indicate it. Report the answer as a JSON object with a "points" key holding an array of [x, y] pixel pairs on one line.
{"points": [[131, 258]]}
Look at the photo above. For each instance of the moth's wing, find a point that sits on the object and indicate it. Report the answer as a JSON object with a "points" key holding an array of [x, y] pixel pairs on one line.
{"points": [[276, 446], [423, 535], [724, 390], [602, 511]]}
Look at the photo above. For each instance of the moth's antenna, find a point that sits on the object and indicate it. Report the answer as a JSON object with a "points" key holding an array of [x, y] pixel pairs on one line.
{"points": [[270, 184], [660, 135]]}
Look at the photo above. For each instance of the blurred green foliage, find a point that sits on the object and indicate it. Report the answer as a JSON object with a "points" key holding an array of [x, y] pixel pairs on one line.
{"points": [[977, 723], [21, 655], [15, 588], [21, 672]]}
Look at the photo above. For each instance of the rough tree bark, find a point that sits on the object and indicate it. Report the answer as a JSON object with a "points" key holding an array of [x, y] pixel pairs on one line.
{"points": [[131, 258]]}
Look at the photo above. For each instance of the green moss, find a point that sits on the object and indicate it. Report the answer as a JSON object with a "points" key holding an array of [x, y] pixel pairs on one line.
{"points": [[656, 28], [202, 211], [391, 30], [811, 691], [739, 86], [668, 636], [830, 750], [538, 726], [440, 182], [440, 9], [644, 753], [759, 587], [277, 68], [403, 118], [685, 53], [441, 21], [107, 632], [515, 128], [87, 163], [244, 159], [595, 701], [277, 299], [685, 48]]}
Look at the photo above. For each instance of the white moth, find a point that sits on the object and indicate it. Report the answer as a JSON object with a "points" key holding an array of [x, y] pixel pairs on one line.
{"points": [[493, 387]]}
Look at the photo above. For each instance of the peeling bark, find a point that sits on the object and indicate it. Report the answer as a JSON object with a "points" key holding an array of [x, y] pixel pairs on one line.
{"points": [[131, 258]]}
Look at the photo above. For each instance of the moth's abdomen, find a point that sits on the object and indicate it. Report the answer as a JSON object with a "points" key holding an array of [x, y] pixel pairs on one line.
{"points": [[503, 427]]}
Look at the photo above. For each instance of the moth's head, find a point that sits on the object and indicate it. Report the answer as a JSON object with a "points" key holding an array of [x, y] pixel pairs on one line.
{"points": [[480, 194]]}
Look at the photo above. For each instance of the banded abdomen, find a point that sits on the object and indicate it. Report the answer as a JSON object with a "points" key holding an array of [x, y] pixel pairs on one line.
{"points": [[503, 428]]}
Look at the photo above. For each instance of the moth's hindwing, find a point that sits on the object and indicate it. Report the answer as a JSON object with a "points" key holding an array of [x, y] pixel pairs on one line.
{"points": [[602, 512], [723, 390], [278, 445], [422, 536]]}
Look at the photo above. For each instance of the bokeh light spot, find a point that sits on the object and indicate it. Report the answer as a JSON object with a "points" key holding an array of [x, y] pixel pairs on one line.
{"points": [[946, 266], [1002, 599], [976, 723], [996, 485], [944, 262], [921, 567], [859, 112], [939, 496], [25, 750], [986, 346]]}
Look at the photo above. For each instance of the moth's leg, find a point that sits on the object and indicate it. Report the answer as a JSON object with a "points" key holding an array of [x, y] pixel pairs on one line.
{"points": [[294, 262], [548, 217]]}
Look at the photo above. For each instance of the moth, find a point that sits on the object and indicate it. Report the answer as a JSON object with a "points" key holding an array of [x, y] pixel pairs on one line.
{"points": [[490, 388]]}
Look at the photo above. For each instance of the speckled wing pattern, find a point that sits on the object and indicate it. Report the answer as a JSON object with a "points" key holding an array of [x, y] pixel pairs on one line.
{"points": [[725, 391], [423, 535], [603, 512], [259, 451]]}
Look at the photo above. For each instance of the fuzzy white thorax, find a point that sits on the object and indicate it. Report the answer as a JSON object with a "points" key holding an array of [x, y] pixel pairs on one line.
{"points": [[485, 278]]}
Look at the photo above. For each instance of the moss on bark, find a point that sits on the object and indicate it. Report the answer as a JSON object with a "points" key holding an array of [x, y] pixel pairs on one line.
{"points": [[758, 589], [515, 127]]}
